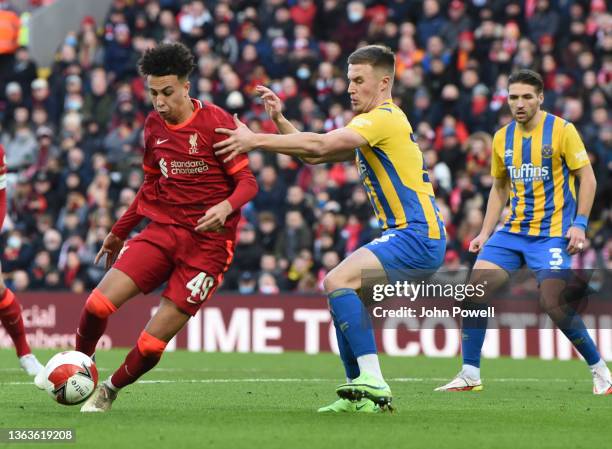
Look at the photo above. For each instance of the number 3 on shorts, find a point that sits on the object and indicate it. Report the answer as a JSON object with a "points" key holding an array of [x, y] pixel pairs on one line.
{"points": [[556, 255], [200, 285]]}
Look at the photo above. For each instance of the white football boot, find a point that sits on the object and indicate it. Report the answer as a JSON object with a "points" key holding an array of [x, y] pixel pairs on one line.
{"points": [[30, 364], [462, 382], [101, 400], [602, 380]]}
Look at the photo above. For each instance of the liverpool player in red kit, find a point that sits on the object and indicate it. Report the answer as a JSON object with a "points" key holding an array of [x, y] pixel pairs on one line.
{"points": [[193, 200], [10, 310]]}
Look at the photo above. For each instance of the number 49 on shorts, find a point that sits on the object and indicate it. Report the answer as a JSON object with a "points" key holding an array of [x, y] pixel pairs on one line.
{"points": [[201, 286]]}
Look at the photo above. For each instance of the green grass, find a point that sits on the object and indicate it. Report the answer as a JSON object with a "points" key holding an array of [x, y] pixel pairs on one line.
{"points": [[225, 401]]}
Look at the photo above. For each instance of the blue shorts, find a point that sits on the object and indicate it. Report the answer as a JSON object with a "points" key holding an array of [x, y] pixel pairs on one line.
{"points": [[407, 255], [546, 256]]}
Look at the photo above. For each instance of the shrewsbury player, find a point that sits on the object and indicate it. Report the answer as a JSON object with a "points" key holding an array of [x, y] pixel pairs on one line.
{"points": [[380, 140], [193, 201], [537, 158], [10, 310]]}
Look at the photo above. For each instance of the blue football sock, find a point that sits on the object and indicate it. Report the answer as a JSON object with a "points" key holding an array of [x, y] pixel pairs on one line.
{"points": [[472, 336], [352, 320], [574, 329], [351, 367]]}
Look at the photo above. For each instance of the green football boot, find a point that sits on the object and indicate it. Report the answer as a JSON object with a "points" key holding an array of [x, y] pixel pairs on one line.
{"points": [[346, 406], [366, 386]]}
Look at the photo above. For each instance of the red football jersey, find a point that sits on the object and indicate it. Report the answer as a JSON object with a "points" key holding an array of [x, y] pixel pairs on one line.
{"points": [[191, 179]]}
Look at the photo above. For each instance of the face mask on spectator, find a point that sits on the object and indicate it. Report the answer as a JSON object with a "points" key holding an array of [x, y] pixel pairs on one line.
{"points": [[74, 104], [246, 289], [14, 241], [303, 73], [355, 16], [268, 289], [71, 40]]}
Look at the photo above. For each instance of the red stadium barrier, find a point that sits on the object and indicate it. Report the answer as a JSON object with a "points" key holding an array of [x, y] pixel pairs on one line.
{"points": [[274, 324]]}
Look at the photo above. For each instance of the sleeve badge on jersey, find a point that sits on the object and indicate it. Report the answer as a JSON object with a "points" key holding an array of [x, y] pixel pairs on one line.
{"points": [[547, 151], [361, 122], [582, 156]]}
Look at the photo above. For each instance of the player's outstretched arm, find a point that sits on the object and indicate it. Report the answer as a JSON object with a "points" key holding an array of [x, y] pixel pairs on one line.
{"points": [[576, 234], [338, 156], [303, 144], [274, 108], [497, 201]]}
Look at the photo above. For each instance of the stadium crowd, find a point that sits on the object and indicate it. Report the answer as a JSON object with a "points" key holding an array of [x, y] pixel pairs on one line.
{"points": [[74, 139]]}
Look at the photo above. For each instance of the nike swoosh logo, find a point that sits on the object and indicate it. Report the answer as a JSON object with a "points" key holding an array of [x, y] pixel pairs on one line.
{"points": [[160, 141], [360, 407]]}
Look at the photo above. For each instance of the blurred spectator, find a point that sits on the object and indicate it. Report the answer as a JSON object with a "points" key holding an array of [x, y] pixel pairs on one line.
{"points": [[9, 34], [266, 284], [247, 283], [24, 69], [432, 22], [458, 23], [271, 193], [98, 103], [295, 237]]}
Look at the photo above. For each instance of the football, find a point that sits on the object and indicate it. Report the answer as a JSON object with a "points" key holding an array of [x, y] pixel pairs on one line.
{"points": [[70, 377]]}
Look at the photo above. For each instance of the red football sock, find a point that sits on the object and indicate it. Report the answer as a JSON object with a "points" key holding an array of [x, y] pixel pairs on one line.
{"points": [[92, 323], [142, 358], [10, 315], [90, 329]]}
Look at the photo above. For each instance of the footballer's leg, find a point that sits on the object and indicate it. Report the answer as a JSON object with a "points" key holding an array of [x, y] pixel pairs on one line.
{"points": [[493, 265], [115, 289], [354, 329], [141, 267], [560, 303], [112, 292], [561, 294], [10, 316], [162, 327]]}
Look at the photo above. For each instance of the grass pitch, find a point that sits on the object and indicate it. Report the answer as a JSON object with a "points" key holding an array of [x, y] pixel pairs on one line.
{"points": [[257, 401]]}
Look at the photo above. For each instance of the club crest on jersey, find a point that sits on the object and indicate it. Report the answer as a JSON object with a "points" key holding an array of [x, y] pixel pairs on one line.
{"points": [[193, 143], [547, 151]]}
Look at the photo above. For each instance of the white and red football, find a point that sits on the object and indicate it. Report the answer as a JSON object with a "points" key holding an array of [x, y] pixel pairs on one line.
{"points": [[70, 377]]}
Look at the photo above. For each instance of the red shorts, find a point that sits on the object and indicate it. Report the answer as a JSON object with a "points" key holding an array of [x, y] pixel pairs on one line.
{"points": [[192, 263]]}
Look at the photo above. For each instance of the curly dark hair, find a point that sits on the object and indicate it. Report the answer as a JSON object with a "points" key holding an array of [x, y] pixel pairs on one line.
{"points": [[167, 59]]}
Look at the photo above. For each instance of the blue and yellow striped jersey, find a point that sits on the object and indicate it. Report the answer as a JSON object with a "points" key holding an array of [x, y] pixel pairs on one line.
{"points": [[392, 170], [539, 165]]}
